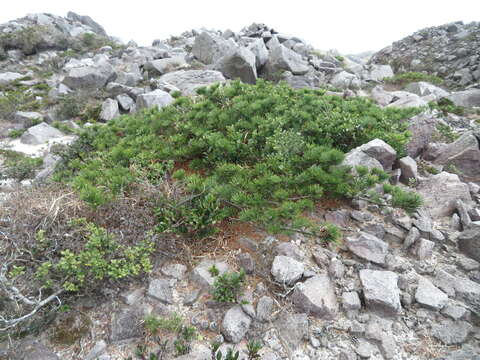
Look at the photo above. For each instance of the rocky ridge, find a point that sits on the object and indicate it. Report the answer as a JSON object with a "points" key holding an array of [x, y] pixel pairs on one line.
{"points": [[398, 287]]}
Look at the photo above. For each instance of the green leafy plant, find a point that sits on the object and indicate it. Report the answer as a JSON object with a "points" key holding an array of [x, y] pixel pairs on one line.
{"points": [[253, 348], [227, 286], [407, 200], [446, 106], [16, 133], [230, 355], [258, 153], [214, 270], [403, 79]]}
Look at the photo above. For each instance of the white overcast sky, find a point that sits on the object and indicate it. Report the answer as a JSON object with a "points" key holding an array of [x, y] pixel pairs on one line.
{"points": [[351, 26]]}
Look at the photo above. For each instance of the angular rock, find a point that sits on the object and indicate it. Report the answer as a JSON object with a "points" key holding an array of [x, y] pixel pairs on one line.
{"points": [[409, 170], [430, 296], [283, 59], [110, 110], [189, 81], [88, 77], [316, 296], [424, 249], [455, 312], [412, 236], [235, 324], [357, 157], [33, 350], [451, 332], [264, 308], [201, 273], [239, 63], [291, 250], [423, 88], [40, 134], [126, 324], [246, 262], [27, 118], [156, 98], [209, 47], [469, 241], [423, 130], [440, 192], [160, 289], [163, 66], [345, 80], [381, 291], [380, 151], [351, 301], [97, 350], [260, 51], [466, 98], [176, 271], [292, 328], [368, 247], [126, 102], [286, 270]]}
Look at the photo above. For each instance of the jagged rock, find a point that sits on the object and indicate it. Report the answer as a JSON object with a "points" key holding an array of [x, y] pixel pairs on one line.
{"points": [[291, 250], [89, 77], [110, 110], [345, 80], [40, 134], [126, 324], [162, 66], [246, 262], [451, 332], [381, 291], [424, 249], [97, 350], [464, 154], [292, 328], [469, 292], [466, 98], [264, 308], [357, 157], [373, 72], [368, 247], [189, 81], [412, 236], [239, 63], [202, 275], [366, 349], [469, 241], [462, 210], [408, 100], [316, 296], [455, 312], [351, 301], [380, 96], [430, 296], [235, 324], [281, 58], [260, 51], [468, 264], [209, 47], [8, 77], [440, 192], [423, 88], [158, 98], [336, 269], [465, 353], [126, 102], [87, 20], [409, 170], [381, 151], [176, 271], [286, 270], [160, 289], [27, 118]]}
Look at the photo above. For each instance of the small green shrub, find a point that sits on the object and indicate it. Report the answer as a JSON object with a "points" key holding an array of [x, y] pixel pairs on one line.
{"points": [[407, 200], [330, 233], [16, 133], [409, 77], [446, 106], [228, 286], [253, 348], [18, 166], [171, 324]]}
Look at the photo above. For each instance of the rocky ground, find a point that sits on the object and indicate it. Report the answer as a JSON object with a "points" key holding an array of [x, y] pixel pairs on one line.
{"points": [[396, 286]]}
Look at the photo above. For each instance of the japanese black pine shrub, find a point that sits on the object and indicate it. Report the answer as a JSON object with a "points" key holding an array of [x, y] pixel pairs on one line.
{"points": [[262, 153]]}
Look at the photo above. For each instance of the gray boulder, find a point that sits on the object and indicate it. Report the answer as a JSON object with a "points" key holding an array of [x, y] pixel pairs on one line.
{"points": [[408, 100], [409, 170], [466, 98], [380, 151], [357, 157], [345, 80], [27, 118], [162, 66], [87, 20], [286, 270], [381, 291], [126, 324], [110, 110], [316, 296], [260, 51], [235, 324], [368, 247], [281, 59], [264, 308], [89, 77], [209, 47], [126, 102], [157, 98], [423, 130], [239, 63], [40, 134], [423, 88], [188, 81], [452, 332], [440, 193], [160, 290], [469, 241], [429, 296]]}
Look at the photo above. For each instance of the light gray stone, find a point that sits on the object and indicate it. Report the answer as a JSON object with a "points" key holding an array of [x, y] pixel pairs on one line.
{"points": [[351, 301], [264, 308], [97, 350], [176, 271], [260, 51], [286, 270], [451, 332], [110, 110], [88, 77], [9, 77], [235, 324], [240, 63], [189, 81], [430, 296], [163, 66], [160, 290], [380, 151], [381, 291], [283, 59], [126, 102], [466, 98], [368, 247], [469, 241], [40, 134], [156, 98], [126, 324], [316, 296], [409, 170], [209, 47], [424, 249]]}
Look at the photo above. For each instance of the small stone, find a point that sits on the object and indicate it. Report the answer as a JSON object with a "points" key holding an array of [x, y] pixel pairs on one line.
{"points": [[191, 297], [264, 309], [365, 349], [133, 297], [451, 332], [235, 324], [381, 291], [430, 296], [201, 273], [176, 271], [316, 296], [456, 312], [351, 301], [246, 262], [160, 289], [336, 269], [412, 236], [286, 270], [368, 247], [97, 350], [468, 264], [424, 249], [290, 250], [126, 324]]}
